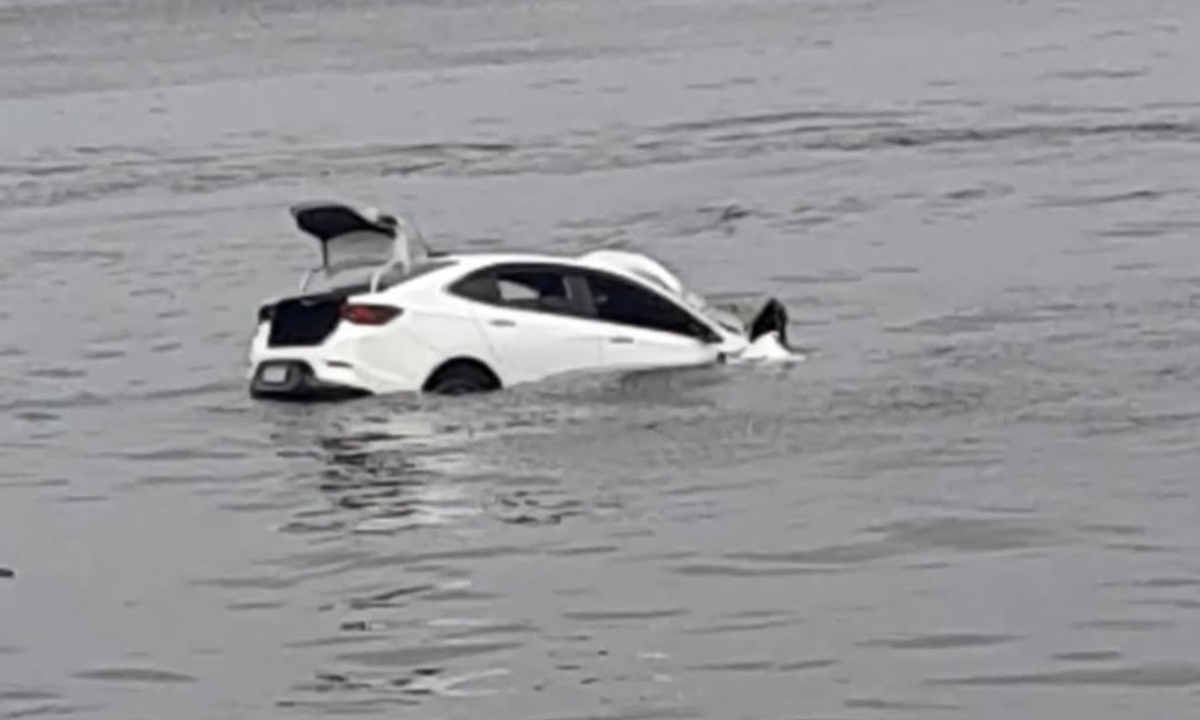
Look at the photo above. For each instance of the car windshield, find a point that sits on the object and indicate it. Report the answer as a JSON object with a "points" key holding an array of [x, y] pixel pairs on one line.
{"points": [[694, 301]]}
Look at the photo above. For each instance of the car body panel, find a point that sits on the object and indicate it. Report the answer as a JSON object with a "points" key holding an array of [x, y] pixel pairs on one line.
{"points": [[530, 346], [631, 348]]}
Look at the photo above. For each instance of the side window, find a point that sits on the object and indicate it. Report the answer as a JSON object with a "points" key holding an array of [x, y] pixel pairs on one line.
{"points": [[534, 289], [622, 302], [478, 286], [524, 288]]}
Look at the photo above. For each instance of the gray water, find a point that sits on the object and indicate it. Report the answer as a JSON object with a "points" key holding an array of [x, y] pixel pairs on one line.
{"points": [[974, 499]]}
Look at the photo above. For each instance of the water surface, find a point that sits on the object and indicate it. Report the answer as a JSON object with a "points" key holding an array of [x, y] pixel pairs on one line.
{"points": [[974, 499]]}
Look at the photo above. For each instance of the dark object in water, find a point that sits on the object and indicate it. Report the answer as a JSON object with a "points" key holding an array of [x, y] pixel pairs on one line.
{"points": [[757, 313], [7, 572]]}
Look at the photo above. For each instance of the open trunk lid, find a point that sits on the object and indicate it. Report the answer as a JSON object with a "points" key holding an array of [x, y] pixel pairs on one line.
{"points": [[352, 238]]}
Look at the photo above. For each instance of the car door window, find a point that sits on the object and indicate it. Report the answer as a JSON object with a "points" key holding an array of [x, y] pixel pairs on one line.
{"points": [[542, 289], [531, 289], [623, 302], [478, 286]]}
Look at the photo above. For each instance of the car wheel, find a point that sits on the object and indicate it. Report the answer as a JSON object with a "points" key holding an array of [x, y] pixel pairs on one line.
{"points": [[461, 378]]}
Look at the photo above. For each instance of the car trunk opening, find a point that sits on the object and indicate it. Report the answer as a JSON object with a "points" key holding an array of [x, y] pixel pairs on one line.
{"points": [[310, 318], [301, 321], [306, 320]]}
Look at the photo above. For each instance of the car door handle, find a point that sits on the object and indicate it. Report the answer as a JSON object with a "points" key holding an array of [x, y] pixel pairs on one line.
{"points": [[621, 339], [503, 322]]}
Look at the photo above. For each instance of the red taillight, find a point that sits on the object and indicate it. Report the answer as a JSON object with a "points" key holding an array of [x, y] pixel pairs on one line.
{"points": [[369, 314]]}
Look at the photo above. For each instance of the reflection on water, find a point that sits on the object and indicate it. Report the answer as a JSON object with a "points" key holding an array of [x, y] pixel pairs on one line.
{"points": [[400, 463]]}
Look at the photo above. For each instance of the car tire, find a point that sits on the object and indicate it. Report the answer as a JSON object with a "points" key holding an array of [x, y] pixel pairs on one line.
{"points": [[461, 377]]}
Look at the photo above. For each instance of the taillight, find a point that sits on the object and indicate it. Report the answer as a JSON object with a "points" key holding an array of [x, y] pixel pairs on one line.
{"points": [[361, 314]]}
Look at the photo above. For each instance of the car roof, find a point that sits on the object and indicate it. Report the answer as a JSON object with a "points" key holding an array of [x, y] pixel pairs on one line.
{"points": [[469, 261], [464, 263]]}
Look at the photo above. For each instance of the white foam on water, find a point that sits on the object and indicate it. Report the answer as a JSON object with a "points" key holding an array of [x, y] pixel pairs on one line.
{"points": [[767, 348]]}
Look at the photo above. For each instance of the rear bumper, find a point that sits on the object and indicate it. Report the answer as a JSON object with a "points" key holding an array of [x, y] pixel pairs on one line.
{"points": [[295, 380], [351, 363]]}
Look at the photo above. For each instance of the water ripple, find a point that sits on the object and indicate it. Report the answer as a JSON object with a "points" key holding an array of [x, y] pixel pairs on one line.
{"points": [[426, 654], [901, 537], [941, 641], [134, 675], [1151, 675]]}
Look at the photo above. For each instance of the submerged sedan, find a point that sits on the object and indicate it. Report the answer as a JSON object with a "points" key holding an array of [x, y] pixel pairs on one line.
{"points": [[394, 316]]}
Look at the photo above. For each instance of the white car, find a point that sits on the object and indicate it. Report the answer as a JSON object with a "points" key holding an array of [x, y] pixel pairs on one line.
{"points": [[393, 316]]}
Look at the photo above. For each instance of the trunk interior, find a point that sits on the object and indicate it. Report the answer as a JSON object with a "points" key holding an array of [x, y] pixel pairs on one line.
{"points": [[307, 320]]}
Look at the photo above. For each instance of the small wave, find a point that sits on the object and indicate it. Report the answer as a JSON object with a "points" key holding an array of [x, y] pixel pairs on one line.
{"points": [[426, 654], [1163, 674], [1082, 200], [26, 694], [941, 641], [135, 675], [1087, 656], [790, 117], [901, 705], [765, 665], [1099, 74], [916, 536]]}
